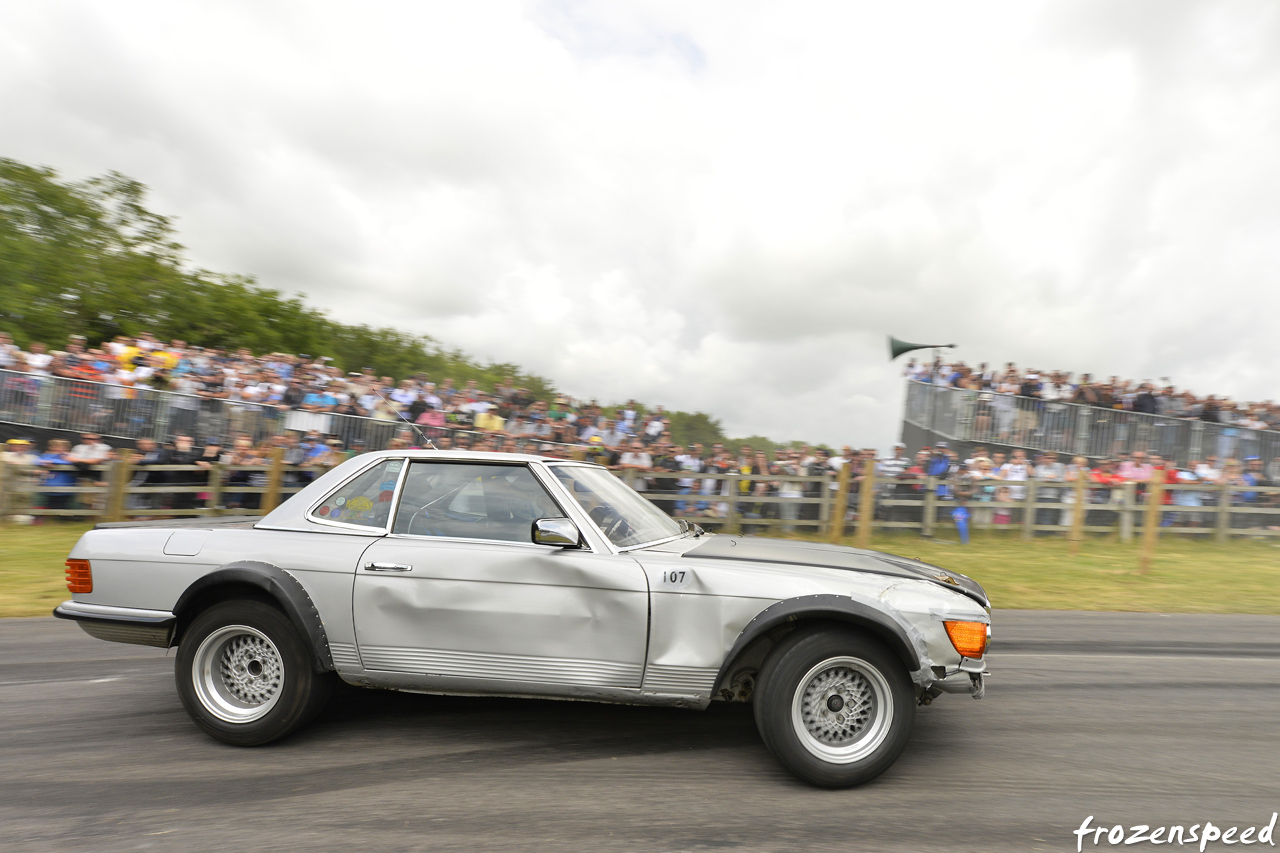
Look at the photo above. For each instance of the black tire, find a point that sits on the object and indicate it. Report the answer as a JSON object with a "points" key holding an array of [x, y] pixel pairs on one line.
{"points": [[828, 741], [245, 675]]}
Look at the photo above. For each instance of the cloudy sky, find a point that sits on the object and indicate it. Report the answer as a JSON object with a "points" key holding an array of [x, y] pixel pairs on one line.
{"points": [[719, 206]]}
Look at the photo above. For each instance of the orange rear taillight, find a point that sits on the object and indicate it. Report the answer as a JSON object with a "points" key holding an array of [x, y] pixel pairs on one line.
{"points": [[969, 638], [79, 576]]}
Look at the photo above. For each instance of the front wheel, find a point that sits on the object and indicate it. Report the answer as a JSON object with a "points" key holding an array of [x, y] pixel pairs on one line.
{"points": [[834, 706], [244, 674]]}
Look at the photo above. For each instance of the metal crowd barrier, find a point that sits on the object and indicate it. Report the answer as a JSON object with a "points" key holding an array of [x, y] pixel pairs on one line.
{"points": [[1073, 429], [131, 413]]}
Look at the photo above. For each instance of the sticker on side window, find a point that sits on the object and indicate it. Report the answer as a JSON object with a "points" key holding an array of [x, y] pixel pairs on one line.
{"points": [[394, 466], [676, 578]]}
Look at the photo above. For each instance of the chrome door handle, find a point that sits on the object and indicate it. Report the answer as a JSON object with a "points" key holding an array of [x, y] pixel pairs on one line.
{"points": [[388, 567]]}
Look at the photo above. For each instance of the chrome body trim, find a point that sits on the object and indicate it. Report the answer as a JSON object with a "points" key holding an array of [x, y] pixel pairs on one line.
{"points": [[684, 680], [131, 625], [469, 686], [345, 657], [83, 611], [516, 668]]}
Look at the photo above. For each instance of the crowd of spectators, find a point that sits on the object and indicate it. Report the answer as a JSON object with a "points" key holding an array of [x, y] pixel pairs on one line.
{"points": [[305, 397], [992, 483], [1056, 386], [108, 383]]}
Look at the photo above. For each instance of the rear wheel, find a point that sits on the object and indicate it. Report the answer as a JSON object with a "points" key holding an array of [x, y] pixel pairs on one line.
{"points": [[245, 676], [834, 706]]}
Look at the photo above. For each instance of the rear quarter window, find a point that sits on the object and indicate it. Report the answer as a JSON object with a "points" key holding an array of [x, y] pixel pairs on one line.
{"points": [[364, 501]]}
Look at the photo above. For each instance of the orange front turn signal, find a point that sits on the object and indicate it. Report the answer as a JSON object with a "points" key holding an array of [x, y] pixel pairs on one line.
{"points": [[79, 576], [969, 638]]}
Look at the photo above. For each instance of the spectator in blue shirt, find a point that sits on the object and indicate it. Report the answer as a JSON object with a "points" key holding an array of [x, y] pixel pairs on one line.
{"points": [[939, 465], [319, 400], [56, 454]]}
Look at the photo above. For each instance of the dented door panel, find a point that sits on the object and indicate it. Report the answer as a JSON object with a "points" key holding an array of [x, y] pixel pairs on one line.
{"points": [[510, 613]]}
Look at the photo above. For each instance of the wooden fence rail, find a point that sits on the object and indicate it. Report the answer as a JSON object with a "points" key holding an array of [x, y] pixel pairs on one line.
{"points": [[831, 506], [121, 490]]}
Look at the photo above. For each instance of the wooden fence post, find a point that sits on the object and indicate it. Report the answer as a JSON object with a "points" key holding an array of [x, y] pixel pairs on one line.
{"points": [[1223, 523], [930, 507], [731, 520], [1151, 521], [1081, 508], [1126, 513], [866, 505], [1029, 510], [824, 504], [215, 490], [835, 530], [275, 476], [118, 476]]}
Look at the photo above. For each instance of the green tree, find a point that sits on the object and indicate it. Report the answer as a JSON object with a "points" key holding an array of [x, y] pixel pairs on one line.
{"points": [[695, 428], [89, 258]]}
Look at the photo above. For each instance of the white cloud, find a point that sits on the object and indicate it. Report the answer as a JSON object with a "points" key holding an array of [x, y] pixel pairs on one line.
{"points": [[717, 206]]}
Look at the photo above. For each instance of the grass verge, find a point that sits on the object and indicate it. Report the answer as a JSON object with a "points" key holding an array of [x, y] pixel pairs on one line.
{"points": [[1240, 576], [31, 567], [1188, 577]]}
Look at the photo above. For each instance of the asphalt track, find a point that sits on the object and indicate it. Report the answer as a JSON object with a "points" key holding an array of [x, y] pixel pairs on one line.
{"points": [[1132, 718]]}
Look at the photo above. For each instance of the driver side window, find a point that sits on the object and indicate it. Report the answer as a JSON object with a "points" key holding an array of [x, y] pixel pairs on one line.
{"points": [[466, 500]]}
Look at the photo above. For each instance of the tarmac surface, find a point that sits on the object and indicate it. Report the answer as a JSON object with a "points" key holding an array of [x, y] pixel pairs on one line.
{"points": [[1131, 718]]}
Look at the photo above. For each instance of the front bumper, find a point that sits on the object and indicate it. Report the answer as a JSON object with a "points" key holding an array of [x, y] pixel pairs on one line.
{"points": [[969, 678], [120, 624]]}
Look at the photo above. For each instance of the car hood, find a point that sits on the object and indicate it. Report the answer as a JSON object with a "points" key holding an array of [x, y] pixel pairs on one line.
{"points": [[758, 549]]}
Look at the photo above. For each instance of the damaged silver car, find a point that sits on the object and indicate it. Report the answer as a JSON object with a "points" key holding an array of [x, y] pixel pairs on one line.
{"points": [[508, 575]]}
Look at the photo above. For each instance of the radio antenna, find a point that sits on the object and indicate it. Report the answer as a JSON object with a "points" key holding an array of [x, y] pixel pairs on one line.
{"points": [[430, 444]]}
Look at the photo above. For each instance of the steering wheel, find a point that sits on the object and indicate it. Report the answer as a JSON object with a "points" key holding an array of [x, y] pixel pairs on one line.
{"points": [[611, 522], [427, 530], [617, 529]]}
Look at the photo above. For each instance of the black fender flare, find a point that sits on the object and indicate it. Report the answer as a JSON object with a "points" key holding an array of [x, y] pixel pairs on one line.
{"points": [[831, 608], [275, 582]]}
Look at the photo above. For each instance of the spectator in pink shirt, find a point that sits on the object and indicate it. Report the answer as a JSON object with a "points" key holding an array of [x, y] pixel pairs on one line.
{"points": [[1136, 470]]}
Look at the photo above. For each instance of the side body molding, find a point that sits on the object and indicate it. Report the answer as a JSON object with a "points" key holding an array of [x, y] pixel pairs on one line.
{"points": [[278, 584], [831, 608]]}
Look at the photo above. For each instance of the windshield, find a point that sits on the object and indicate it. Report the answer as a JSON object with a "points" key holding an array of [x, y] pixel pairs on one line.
{"points": [[620, 513]]}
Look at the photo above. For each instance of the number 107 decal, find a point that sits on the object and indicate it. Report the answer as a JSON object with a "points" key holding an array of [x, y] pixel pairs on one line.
{"points": [[676, 578]]}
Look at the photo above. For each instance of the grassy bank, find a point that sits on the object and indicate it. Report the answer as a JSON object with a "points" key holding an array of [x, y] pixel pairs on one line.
{"points": [[1241, 576], [31, 566], [1188, 577]]}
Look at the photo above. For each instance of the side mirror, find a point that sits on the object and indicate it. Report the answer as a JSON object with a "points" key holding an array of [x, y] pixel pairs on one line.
{"points": [[560, 532]]}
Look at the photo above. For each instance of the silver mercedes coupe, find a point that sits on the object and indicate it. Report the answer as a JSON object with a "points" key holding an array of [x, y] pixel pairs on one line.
{"points": [[508, 575]]}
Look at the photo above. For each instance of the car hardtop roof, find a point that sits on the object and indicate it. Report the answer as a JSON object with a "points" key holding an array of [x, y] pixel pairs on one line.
{"points": [[468, 455]]}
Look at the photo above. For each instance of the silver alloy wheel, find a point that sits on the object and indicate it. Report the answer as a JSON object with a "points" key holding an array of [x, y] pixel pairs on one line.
{"points": [[842, 710], [238, 674]]}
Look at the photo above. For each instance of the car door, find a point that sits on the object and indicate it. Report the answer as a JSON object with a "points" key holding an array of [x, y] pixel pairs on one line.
{"points": [[458, 597]]}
